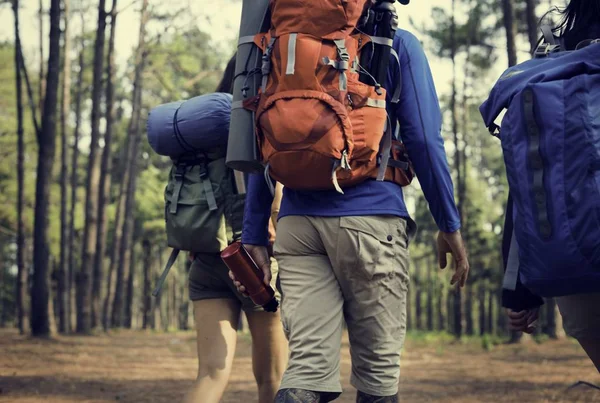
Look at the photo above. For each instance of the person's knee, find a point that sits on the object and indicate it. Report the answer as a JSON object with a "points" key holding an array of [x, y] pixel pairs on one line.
{"points": [[213, 366]]}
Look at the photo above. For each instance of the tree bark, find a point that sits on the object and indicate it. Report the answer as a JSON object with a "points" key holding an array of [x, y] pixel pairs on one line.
{"points": [[430, 288], [441, 325], [147, 248], [21, 283], [135, 138], [482, 311], [40, 321], [490, 313], [532, 23], [105, 178], [115, 270], [74, 179], [511, 31], [130, 295], [84, 280], [184, 300], [457, 318], [550, 313], [418, 309], [63, 286], [41, 79]]}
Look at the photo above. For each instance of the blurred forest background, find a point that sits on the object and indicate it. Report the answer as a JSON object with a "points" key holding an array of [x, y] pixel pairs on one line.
{"points": [[82, 238]]}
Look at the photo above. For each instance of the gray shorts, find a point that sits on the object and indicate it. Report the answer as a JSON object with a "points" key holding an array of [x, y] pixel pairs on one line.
{"points": [[209, 279], [581, 315]]}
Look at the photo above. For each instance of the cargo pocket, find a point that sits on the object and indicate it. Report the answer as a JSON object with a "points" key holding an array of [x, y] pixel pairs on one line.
{"points": [[374, 249]]}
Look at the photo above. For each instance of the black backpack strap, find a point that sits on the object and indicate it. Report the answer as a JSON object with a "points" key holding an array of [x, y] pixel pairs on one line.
{"points": [[179, 174], [165, 272], [548, 35]]}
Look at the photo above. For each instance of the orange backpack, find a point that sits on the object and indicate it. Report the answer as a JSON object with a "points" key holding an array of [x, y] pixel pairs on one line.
{"points": [[317, 125]]}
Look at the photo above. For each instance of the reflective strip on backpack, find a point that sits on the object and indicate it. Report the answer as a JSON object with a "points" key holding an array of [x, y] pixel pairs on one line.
{"points": [[246, 39], [291, 61], [376, 103], [380, 40]]}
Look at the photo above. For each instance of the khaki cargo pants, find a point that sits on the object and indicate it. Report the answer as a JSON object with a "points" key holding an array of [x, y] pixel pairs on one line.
{"points": [[333, 269]]}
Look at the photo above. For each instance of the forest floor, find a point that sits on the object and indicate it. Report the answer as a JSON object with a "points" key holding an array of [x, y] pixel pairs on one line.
{"points": [[135, 366]]}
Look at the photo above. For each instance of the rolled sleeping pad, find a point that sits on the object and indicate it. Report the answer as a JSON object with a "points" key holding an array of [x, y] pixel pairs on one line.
{"points": [[242, 153], [184, 127]]}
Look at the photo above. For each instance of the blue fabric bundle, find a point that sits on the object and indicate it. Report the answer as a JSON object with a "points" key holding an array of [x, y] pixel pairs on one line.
{"points": [[181, 127]]}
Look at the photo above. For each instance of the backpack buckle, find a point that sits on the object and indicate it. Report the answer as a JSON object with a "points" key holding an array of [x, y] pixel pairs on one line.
{"points": [[203, 172], [180, 171], [545, 49]]}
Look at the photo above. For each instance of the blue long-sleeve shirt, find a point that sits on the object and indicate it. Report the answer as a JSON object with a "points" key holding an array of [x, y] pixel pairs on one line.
{"points": [[418, 113]]}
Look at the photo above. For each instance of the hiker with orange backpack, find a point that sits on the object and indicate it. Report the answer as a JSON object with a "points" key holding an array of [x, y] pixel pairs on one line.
{"points": [[343, 231]]}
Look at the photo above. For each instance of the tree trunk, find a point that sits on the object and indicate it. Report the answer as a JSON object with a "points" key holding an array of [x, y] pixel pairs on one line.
{"points": [[156, 309], [457, 162], [532, 23], [84, 281], [116, 277], [21, 283], [490, 313], [41, 78], [130, 296], [135, 138], [74, 179], [440, 308], [116, 269], [63, 286], [469, 322], [184, 299], [418, 309], [482, 318], [430, 288], [511, 31], [147, 248], [40, 322], [409, 317], [105, 178], [550, 313]]}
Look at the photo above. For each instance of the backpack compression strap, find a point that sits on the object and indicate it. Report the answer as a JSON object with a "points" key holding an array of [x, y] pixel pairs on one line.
{"points": [[165, 272], [204, 178]]}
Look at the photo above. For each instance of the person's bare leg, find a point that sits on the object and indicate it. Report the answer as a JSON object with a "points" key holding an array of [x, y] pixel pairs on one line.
{"points": [[269, 352], [216, 329], [592, 348]]}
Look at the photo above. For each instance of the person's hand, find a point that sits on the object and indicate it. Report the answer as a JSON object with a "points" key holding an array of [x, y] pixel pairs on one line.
{"points": [[191, 256], [523, 321], [452, 242], [260, 255]]}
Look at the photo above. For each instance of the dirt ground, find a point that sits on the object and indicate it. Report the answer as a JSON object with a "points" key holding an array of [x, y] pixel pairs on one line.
{"points": [[152, 367]]}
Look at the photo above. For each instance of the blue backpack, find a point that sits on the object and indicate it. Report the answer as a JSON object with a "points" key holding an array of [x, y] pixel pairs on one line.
{"points": [[550, 140]]}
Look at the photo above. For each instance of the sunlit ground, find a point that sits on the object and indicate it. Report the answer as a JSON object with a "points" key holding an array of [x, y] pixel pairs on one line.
{"points": [[130, 366]]}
